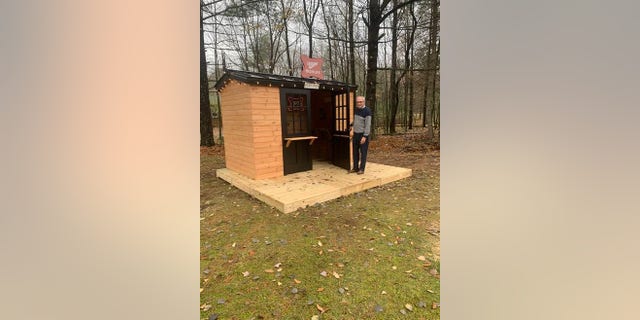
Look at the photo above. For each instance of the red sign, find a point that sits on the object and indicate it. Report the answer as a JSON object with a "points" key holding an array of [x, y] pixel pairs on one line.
{"points": [[311, 67]]}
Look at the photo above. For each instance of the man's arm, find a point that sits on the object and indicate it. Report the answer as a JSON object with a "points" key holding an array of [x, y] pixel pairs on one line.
{"points": [[367, 124]]}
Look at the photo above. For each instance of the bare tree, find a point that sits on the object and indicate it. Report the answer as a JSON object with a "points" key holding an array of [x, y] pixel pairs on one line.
{"points": [[287, 12], [431, 111], [377, 13], [394, 81], [409, 59], [206, 124], [310, 8], [352, 45], [269, 35]]}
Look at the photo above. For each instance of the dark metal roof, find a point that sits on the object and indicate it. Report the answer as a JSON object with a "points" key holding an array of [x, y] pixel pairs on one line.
{"points": [[264, 79]]}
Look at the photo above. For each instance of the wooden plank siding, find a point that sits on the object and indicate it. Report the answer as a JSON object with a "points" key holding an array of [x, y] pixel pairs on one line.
{"points": [[251, 126], [267, 132]]}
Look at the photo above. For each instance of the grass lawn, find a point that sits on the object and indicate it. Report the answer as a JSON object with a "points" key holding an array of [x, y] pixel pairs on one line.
{"points": [[364, 256]]}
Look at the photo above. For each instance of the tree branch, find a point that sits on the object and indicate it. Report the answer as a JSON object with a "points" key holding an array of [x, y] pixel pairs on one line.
{"points": [[396, 8]]}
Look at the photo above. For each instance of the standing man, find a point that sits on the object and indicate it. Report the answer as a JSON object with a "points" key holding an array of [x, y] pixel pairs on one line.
{"points": [[361, 129]]}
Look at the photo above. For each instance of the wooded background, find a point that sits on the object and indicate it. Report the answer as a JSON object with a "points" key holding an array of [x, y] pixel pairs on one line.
{"points": [[390, 49]]}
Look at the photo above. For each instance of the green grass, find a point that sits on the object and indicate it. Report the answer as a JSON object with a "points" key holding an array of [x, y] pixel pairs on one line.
{"points": [[363, 236]]}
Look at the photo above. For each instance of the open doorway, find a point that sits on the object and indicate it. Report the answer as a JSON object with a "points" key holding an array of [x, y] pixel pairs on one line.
{"points": [[330, 116]]}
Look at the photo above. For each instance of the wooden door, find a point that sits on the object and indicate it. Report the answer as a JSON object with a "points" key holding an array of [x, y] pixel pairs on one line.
{"points": [[341, 143], [296, 123]]}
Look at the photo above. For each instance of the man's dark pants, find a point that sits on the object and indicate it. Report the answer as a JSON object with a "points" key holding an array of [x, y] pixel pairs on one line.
{"points": [[359, 151]]}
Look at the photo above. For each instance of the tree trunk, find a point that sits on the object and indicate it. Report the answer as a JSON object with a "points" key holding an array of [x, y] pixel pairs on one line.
{"points": [[435, 107], [206, 125], [435, 112], [285, 18], [393, 81], [309, 18], [410, 63], [328, 27], [376, 17], [352, 45], [371, 82]]}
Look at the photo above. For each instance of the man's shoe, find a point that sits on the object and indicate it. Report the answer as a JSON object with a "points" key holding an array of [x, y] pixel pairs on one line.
{"points": [[353, 171], [361, 172]]}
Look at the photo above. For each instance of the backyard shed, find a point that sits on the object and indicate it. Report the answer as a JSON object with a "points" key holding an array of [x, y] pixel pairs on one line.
{"points": [[277, 125]]}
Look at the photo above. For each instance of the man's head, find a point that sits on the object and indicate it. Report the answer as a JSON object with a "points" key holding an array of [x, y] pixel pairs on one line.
{"points": [[360, 101]]}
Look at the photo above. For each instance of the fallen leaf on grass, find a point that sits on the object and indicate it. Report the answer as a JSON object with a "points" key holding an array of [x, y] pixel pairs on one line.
{"points": [[335, 274], [297, 281], [320, 289], [205, 307], [408, 306], [433, 272], [434, 305], [277, 265], [201, 290], [422, 258], [323, 273], [268, 270], [246, 273], [383, 292], [430, 291], [320, 243], [321, 309], [315, 318]]}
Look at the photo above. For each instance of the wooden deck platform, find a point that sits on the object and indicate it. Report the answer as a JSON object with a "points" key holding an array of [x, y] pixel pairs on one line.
{"points": [[325, 182]]}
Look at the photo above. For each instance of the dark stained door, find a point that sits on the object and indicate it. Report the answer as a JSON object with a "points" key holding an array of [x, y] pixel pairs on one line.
{"points": [[341, 148], [296, 123]]}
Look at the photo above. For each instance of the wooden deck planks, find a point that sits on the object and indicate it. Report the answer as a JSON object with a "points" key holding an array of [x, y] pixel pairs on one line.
{"points": [[325, 182]]}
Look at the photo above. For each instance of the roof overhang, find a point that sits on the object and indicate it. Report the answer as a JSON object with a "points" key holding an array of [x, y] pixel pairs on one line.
{"points": [[271, 80]]}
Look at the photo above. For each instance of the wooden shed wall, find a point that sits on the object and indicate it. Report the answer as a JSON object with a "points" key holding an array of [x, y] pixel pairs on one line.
{"points": [[251, 128], [267, 131]]}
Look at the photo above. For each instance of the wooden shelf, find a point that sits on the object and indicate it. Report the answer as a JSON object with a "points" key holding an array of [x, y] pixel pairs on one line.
{"points": [[311, 138]]}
